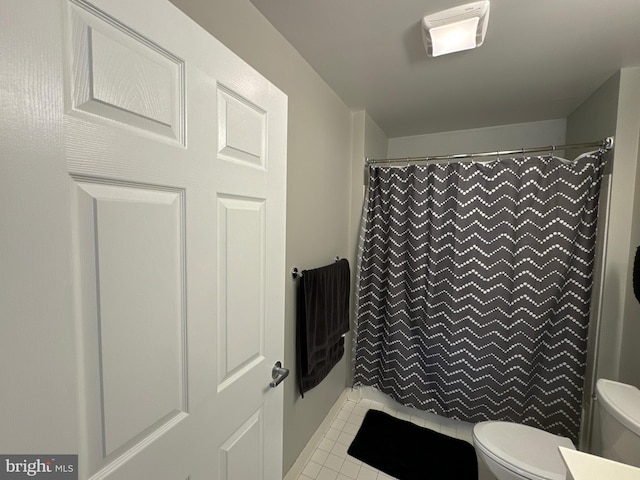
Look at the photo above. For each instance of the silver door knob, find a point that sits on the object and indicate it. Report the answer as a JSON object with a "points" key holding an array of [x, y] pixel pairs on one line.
{"points": [[278, 374]]}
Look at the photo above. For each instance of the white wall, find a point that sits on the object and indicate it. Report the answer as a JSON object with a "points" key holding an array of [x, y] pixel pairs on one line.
{"points": [[318, 183], [595, 119], [614, 109], [503, 137], [627, 185]]}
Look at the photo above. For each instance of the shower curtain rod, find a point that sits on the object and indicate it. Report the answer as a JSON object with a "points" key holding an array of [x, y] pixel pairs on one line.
{"points": [[606, 144]]}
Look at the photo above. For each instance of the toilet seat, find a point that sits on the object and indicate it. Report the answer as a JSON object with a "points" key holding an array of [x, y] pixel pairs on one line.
{"points": [[525, 450]]}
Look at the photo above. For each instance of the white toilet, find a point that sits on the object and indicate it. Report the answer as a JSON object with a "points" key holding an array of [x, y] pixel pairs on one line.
{"points": [[619, 421], [518, 452]]}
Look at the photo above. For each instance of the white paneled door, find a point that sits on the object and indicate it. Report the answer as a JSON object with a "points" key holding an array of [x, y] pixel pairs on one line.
{"points": [[142, 205]]}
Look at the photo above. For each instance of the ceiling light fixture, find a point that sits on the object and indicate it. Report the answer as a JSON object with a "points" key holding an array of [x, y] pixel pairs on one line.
{"points": [[456, 29]]}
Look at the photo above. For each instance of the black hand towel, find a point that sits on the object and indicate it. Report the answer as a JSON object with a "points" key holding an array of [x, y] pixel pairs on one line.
{"points": [[322, 319]]}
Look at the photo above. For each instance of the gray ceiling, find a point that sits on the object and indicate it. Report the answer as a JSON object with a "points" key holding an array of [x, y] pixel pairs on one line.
{"points": [[540, 60]]}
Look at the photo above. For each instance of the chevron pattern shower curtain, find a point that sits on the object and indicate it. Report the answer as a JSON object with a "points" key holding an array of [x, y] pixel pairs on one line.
{"points": [[474, 288]]}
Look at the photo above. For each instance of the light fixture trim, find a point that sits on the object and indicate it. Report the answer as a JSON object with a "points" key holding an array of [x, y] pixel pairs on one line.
{"points": [[456, 29]]}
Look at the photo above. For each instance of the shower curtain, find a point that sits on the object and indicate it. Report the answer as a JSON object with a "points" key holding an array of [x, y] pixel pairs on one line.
{"points": [[474, 286]]}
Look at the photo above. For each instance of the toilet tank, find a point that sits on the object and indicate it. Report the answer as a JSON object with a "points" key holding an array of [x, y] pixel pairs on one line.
{"points": [[619, 406]]}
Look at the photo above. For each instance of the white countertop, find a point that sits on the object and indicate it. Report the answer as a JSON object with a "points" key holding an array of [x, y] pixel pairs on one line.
{"points": [[583, 466]]}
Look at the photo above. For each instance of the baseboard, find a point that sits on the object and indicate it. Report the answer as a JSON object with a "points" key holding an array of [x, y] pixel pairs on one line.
{"points": [[316, 438]]}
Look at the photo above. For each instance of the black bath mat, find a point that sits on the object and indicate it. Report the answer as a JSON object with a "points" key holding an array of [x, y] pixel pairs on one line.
{"points": [[409, 452]]}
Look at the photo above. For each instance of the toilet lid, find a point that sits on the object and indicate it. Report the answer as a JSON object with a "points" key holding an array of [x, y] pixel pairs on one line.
{"points": [[523, 449]]}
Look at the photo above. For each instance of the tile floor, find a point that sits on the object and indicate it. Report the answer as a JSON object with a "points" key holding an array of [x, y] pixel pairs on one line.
{"points": [[330, 460]]}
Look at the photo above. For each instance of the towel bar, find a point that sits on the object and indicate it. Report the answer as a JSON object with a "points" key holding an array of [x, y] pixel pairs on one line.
{"points": [[295, 273]]}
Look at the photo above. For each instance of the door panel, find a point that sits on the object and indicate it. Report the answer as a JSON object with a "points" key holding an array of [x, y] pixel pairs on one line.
{"points": [[246, 442], [241, 129], [241, 250], [139, 295], [168, 158], [119, 75]]}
